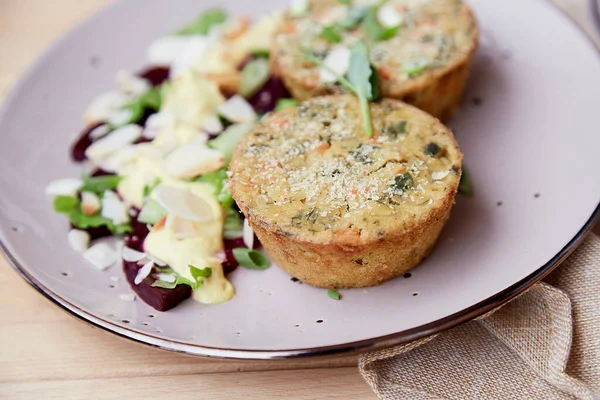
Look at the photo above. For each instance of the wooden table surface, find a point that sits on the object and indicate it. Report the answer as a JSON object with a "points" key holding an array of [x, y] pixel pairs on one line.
{"points": [[47, 354]]}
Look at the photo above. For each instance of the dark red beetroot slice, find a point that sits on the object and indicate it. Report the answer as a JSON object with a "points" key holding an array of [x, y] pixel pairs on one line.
{"points": [[266, 98], [80, 146], [156, 75], [158, 298]]}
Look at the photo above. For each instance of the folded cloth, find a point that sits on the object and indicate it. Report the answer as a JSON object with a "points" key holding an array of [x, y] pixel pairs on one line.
{"points": [[545, 344]]}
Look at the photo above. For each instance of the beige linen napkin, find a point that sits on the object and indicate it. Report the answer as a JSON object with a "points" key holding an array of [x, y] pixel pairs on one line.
{"points": [[545, 344]]}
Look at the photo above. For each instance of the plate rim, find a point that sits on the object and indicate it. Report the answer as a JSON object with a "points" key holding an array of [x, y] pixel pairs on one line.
{"points": [[371, 344]]}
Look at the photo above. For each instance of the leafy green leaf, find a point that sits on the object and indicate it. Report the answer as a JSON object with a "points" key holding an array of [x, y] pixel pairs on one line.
{"points": [[465, 186], [375, 82], [227, 140], [151, 212], [359, 70], [415, 68], [345, 1], [164, 284], [65, 204], [233, 225], [283, 104], [363, 90], [71, 208], [331, 34], [149, 188], [203, 24], [403, 182], [375, 32], [218, 180], [334, 294], [100, 184], [254, 76], [198, 273], [152, 99], [251, 258], [265, 53], [354, 17]]}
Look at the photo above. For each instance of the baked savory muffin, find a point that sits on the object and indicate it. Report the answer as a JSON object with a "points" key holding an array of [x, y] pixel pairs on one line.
{"points": [[336, 208], [422, 49]]}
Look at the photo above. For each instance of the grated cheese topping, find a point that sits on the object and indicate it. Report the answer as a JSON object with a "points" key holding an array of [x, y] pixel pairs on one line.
{"points": [[312, 169]]}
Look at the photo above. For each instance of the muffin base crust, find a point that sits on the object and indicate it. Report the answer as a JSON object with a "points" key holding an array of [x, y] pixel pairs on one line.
{"points": [[352, 263]]}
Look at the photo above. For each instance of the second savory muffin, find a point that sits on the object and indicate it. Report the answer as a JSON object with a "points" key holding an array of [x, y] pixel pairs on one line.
{"points": [[422, 49], [336, 208]]}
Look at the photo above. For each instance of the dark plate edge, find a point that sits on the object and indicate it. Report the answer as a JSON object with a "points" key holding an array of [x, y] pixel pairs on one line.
{"points": [[372, 344]]}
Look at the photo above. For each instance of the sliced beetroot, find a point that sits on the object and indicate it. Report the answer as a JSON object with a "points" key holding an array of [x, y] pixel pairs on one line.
{"points": [[80, 146], [156, 75], [158, 298], [100, 172], [266, 98], [135, 239]]}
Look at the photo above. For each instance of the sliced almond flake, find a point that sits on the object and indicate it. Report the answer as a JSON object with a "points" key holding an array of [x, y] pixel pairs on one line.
{"points": [[248, 235], [338, 60], [157, 123], [191, 55], [103, 105], [183, 229], [120, 158], [237, 110], [64, 187], [221, 256], [193, 160], [439, 175], [79, 240], [99, 132], [113, 208], [165, 277], [127, 297], [90, 203], [184, 203], [120, 117], [165, 50], [213, 125], [114, 141], [143, 272], [101, 255], [389, 17], [131, 255], [132, 85], [115, 278]]}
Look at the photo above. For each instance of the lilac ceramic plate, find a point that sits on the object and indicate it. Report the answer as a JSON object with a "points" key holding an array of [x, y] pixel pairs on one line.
{"points": [[527, 128]]}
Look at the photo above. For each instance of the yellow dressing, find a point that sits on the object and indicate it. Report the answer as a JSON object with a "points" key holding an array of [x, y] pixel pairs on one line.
{"points": [[198, 251], [192, 99]]}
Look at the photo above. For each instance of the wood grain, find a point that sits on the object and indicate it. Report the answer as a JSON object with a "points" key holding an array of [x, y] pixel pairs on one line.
{"points": [[48, 354]]}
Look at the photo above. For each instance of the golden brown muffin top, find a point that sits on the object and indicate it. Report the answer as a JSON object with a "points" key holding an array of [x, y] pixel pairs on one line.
{"points": [[312, 172], [433, 35]]}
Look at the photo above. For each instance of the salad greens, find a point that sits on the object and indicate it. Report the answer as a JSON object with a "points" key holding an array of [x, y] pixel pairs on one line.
{"points": [[465, 186], [99, 184], [227, 140], [151, 212], [414, 68], [254, 76], [282, 104], [375, 32], [203, 24], [196, 273], [70, 206], [331, 34], [252, 259], [361, 79], [334, 294]]}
